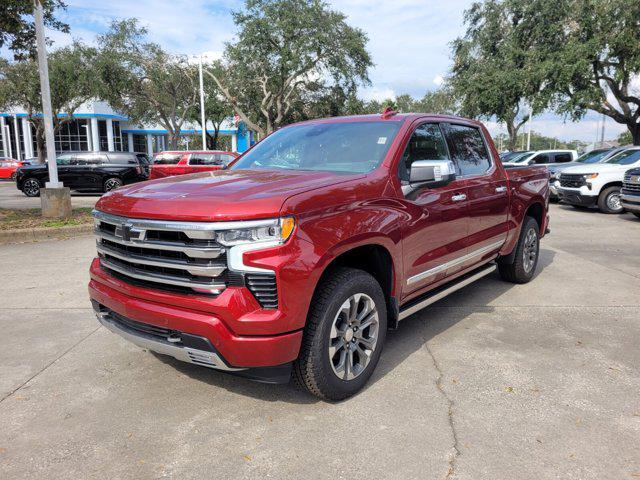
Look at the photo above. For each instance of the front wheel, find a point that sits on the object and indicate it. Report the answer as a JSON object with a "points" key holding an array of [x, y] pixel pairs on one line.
{"points": [[344, 335], [112, 184], [31, 187], [522, 267], [609, 201]]}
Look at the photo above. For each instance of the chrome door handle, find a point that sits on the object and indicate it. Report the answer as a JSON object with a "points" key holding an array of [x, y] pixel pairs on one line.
{"points": [[501, 189], [458, 198]]}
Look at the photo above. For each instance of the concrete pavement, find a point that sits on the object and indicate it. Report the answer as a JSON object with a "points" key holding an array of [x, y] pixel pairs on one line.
{"points": [[11, 197], [498, 381]]}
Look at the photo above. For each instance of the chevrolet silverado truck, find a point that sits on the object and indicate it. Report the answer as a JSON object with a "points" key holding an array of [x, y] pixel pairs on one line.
{"points": [[296, 259]]}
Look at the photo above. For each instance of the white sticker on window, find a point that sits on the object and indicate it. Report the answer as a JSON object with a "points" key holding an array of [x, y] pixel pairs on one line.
{"points": [[382, 140]]}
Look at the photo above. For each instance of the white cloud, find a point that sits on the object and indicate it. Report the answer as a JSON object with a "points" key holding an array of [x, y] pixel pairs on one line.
{"points": [[438, 80], [377, 93]]}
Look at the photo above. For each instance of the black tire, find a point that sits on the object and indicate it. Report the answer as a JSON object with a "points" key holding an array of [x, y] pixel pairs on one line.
{"points": [[518, 270], [111, 184], [604, 200], [314, 369], [13, 176], [31, 187]]}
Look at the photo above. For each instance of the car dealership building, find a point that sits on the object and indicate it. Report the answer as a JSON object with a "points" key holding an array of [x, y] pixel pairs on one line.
{"points": [[97, 127]]}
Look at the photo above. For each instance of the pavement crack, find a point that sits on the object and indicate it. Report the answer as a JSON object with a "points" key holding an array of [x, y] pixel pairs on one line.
{"points": [[453, 457], [26, 382]]}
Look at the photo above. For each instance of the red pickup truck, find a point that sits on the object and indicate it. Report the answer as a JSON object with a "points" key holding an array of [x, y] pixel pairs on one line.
{"points": [[167, 164], [298, 258]]}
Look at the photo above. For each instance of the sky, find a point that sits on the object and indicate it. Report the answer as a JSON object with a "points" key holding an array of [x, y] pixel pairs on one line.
{"points": [[409, 41]]}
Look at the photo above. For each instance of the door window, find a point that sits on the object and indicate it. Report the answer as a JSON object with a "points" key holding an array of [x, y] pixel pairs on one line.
{"points": [[122, 159], [64, 159], [563, 157], [540, 159], [426, 143], [199, 159], [469, 150], [167, 159]]}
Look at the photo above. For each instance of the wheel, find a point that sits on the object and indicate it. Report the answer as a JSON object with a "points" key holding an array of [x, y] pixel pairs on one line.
{"points": [[31, 187], [344, 335], [609, 200], [523, 265], [112, 184], [14, 175]]}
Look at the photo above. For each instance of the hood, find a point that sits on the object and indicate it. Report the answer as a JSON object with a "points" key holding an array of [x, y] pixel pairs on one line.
{"points": [[216, 195], [597, 168]]}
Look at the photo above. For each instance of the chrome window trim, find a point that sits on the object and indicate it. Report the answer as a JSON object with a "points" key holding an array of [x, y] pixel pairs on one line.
{"points": [[445, 266]]}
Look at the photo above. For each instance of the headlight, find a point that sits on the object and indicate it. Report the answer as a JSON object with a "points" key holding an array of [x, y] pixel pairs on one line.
{"points": [[590, 176], [555, 175], [277, 230]]}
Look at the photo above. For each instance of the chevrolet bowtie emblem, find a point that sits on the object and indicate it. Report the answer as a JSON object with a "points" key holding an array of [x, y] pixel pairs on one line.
{"points": [[127, 232]]}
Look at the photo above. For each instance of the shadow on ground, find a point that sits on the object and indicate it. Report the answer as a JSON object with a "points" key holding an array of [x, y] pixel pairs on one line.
{"points": [[410, 337]]}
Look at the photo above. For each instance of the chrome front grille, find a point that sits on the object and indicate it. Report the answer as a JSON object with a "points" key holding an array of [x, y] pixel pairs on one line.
{"points": [[631, 183], [180, 255]]}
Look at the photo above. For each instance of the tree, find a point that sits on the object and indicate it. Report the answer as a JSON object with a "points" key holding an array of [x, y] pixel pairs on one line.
{"points": [[144, 82], [493, 74], [625, 138], [287, 52], [592, 62], [18, 32], [216, 109], [72, 82]]}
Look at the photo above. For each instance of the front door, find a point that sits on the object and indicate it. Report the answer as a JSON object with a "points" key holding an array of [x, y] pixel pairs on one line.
{"points": [[65, 175], [437, 218]]}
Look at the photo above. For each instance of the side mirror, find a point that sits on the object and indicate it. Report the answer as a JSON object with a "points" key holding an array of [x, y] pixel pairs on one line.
{"points": [[431, 173]]}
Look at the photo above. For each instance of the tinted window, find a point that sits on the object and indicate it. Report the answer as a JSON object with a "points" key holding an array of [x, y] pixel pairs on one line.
{"points": [[64, 159], [625, 158], [426, 143], [122, 159], [594, 156], [89, 159], [469, 150], [541, 158], [563, 157], [353, 147], [205, 159], [167, 158], [142, 157]]}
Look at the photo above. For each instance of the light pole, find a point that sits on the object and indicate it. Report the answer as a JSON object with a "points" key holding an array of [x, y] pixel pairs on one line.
{"points": [[55, 199], [202, 115]]}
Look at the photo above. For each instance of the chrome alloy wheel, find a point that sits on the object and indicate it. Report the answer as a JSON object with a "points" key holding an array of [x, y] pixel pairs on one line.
{"points": [[354, 336], [112, 184], [31, 187], [613, 202], [530, 250]]}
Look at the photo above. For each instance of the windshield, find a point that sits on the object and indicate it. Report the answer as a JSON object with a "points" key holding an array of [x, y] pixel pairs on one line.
{"points": [[625, 158], [593, 157], [356, 147]]}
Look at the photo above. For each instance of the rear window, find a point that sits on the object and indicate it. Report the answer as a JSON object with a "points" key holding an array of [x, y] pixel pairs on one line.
{"points": [[167, 159], [563, 157]]}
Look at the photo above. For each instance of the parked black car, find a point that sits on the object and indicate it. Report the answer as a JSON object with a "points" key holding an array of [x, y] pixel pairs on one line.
{"points": [[87, 172]]}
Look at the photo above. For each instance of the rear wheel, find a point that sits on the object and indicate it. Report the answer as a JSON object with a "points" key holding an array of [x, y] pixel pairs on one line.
{"points": [[31, 187], [523, 266], [112, 184], [344, 335], [609, 201], [14, 175]]}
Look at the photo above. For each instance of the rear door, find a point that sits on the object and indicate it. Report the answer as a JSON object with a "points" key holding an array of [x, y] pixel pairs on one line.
{"points": [[487, 191], [166, 165], [437, 226]]}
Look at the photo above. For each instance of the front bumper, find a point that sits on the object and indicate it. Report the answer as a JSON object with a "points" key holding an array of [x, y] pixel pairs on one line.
{"points": [[553, 189], [232, 350], [630, 202], [576, 197]]}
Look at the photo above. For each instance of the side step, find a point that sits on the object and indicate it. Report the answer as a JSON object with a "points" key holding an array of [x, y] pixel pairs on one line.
{"points": [[444, 290]]}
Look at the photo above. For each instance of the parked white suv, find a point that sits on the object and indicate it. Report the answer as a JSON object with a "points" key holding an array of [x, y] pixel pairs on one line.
{"points": [[598, 184], [544, 157]]}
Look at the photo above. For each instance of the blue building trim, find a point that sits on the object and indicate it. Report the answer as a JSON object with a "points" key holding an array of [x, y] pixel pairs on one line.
{"points": [[75, 115], [142, 131]]}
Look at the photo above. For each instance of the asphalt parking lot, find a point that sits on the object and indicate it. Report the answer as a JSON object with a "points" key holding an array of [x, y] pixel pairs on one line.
{"points": [[498, 381], [11, 197]]}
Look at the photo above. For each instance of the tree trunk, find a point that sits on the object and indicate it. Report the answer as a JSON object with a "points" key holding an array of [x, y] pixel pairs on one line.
{"points": [[634, 128], [173, 139], [41, 145], [512, 130]]}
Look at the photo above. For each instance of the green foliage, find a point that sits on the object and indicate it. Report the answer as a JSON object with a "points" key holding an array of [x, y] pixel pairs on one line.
{"points": [[141, 80], [625, 138], [493, 72], [590, 57], [17, 29], [72, 82], [290, 53]]}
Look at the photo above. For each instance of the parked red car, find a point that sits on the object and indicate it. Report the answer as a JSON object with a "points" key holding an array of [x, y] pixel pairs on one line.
{"points": [[8, 167], [168, 164], [300, 256]]}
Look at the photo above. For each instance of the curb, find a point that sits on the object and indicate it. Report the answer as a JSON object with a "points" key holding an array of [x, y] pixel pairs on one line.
{"points": [[39, 234]]}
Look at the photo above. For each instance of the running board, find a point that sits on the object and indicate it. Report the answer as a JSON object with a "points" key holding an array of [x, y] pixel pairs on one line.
{"points": [[446, 289]]}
